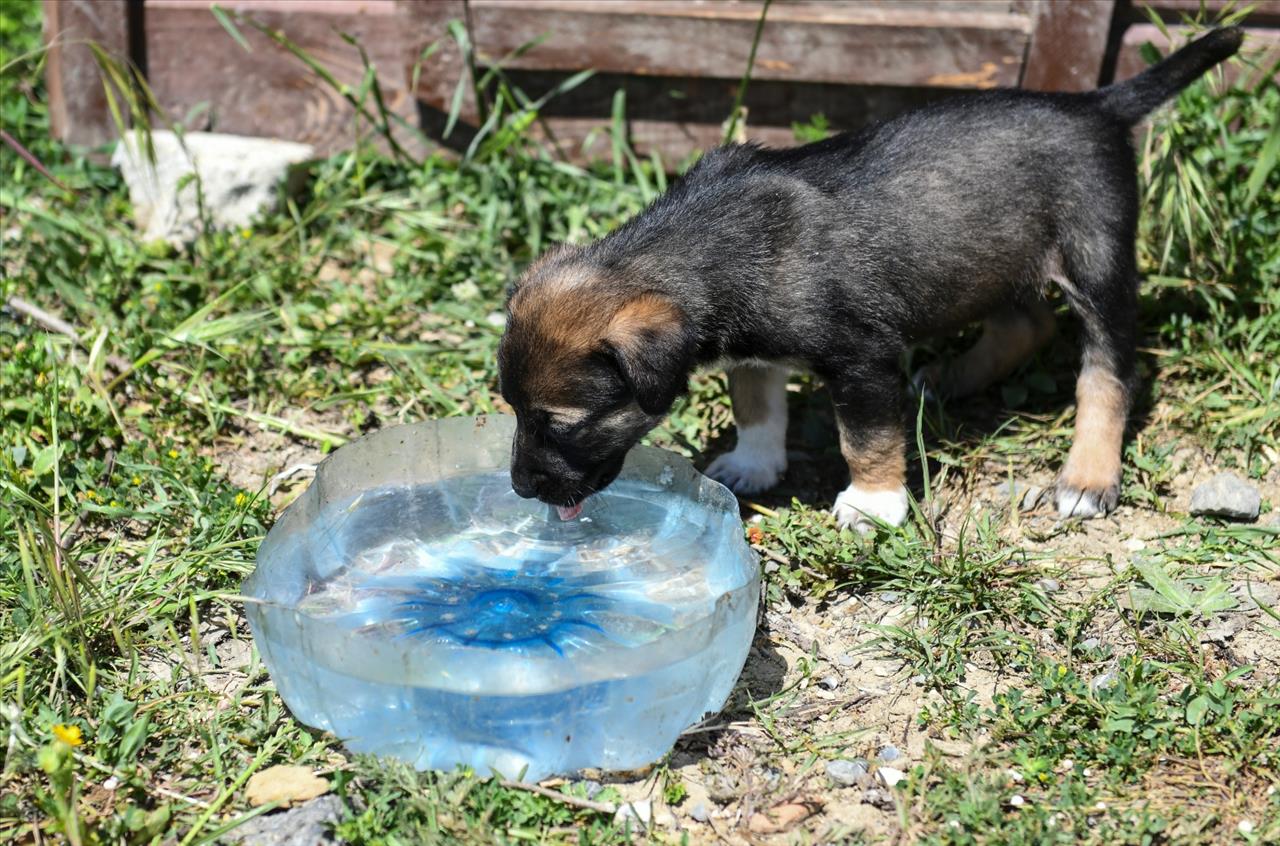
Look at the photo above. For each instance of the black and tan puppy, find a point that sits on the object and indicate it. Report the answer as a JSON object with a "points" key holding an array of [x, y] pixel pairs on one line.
{"points": [[834, 257]]}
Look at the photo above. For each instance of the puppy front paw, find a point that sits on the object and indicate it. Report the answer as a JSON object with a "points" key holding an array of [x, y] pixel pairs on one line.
{"points": [[748, 471], [859, 509], [1084, 503]]}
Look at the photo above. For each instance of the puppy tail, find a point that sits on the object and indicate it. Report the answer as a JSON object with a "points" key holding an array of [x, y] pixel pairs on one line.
{"points": [[1130, 101]]}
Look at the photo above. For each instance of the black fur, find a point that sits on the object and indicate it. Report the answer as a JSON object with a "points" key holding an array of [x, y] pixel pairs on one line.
{"points": [[837, 255]]}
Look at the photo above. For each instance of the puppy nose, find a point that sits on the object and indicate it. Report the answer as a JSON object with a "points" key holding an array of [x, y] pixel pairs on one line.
{"points": [[526, 482]]}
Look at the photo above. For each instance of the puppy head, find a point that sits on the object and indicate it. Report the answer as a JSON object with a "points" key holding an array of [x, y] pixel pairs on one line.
{"points": [[589, 365]]}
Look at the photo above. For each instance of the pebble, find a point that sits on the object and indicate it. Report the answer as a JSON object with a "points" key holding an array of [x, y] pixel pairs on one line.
{"points": [[308, 824], [890, 776], [1017, 801], [1048, 585], [699, 812], [847, 660], [1226, 495], [1025, 495], [829, 682], [1245, 827], [845, 772], [1015, 776], [1090, 643], [592, 788], [1135, 544], [878, 796], [1102, 681], [889, 597], [639, 811], [889, 753]]}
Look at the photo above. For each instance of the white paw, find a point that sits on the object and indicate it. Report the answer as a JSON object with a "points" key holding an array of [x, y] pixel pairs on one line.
{"points": [[920, 386], [749, 471], [859, 509], [1073, 502]]}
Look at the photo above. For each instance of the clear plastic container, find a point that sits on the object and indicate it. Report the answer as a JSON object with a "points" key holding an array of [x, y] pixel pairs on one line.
{"points": [[413, 605]]}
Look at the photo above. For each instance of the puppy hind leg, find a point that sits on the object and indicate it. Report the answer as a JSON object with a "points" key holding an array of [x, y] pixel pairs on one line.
{"points": [[757, 462], [1089, 484], [1009, 337]]}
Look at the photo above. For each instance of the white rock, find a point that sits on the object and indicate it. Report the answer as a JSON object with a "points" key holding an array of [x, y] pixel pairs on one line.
{"points": [[239, 178], [1245, 827], [640, 811], [890, 776], [1017, 801]]}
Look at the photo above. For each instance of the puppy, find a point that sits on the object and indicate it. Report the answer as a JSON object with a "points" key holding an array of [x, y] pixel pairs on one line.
{"points": [[835, 257]]}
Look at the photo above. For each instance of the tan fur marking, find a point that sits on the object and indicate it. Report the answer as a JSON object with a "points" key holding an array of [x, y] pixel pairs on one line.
{"points": [[567, 315], [1008, 339], [1094, 461], [877, 462]]}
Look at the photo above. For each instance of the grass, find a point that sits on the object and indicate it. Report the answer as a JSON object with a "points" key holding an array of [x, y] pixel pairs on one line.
{"points": [[1068, 688]]}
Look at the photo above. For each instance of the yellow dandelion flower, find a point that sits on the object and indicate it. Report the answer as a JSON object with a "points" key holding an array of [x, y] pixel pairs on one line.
{"points": [[69, 735], [246, 232], [115, 503], [136, 480], [1062, 670], [90, 494], [241, 499], [40, 380], [173, 453]]}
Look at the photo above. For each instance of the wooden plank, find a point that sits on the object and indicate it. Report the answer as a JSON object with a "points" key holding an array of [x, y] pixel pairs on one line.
{"points": [[1264, 11], [196, 65], [78, 111], [1261, 46], [848, 43], [1067, 45]]}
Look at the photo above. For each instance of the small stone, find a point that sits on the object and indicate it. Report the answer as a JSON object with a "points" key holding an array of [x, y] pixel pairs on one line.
{"points": [[1017, 801], [592, 788], [1102, 681], [829, 682], [722, 790], [1090, 643], [846, 773], [309, 824], [879, 797], [1245, 826], [699, 812], [889, 597], [1048, 585], [888, 754], [1135, 544], [1015, 776], [890, 776], [1026, 496], [111, 783], [1226, 495], [847, 660], [284, 785], [640, 811]]}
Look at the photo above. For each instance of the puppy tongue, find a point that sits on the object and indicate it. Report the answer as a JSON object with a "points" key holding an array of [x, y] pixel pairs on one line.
{"points": [[569, 512]]}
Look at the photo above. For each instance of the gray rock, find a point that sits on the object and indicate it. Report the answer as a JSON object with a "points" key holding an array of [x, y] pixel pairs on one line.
{"points": [[593, 788], [700, 813], [638, 812], [1048, 585], [829, 682], [889, 597], [1226, 495], [847, 660], [1025, 495], [238, 178], [845, 772], [308, 824], [878, 797], [1090, 643], [889, 754]]}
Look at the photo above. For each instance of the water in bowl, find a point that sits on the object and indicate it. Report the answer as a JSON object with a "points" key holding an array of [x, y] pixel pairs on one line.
{"points": [[455, 623]]}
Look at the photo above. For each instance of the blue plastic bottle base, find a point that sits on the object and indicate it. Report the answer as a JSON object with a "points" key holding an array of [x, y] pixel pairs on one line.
{"points": [[455, 623]]}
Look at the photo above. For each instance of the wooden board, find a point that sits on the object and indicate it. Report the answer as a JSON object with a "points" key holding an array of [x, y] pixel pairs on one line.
{"points": [[78, 112], [1067, 46], [202, 77], [832, 42]]}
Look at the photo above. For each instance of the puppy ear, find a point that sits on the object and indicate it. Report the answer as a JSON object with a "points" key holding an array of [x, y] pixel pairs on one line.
{"points": [[653, 344]]}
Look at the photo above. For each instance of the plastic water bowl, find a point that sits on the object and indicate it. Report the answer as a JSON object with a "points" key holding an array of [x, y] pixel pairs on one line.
{"points": [[413, 605]]}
